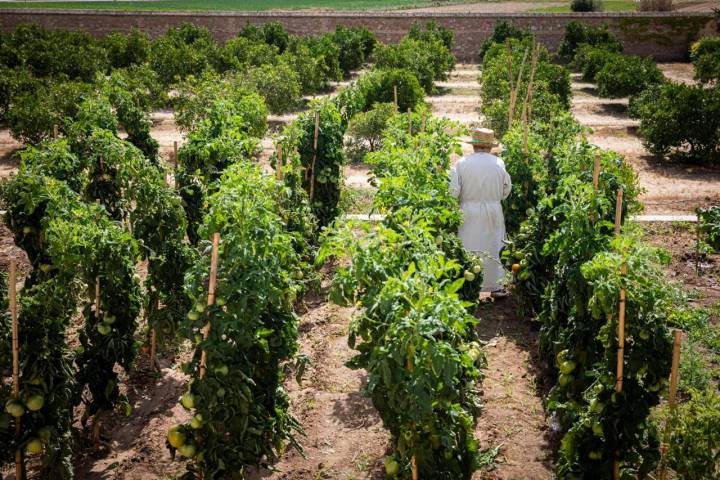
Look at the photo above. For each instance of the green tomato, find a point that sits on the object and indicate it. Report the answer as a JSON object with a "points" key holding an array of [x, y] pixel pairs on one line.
{"points": [[187, 450], [565, 379], [188, 401], [196, 422], [644, 335], [469, 276], [220, 392], [391, 467], [567, 367], [103, 328], [595, 455], [478, 268], [44, 434], [220, 301], [199, 307], [109, 319], [35, 402], [193, 316], [222, 370], [27, 230], [33, 447], [598, 429], [15, 408], [176, 437]]}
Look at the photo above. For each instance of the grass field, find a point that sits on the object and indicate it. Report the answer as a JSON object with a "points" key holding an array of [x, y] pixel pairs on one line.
{"points": [[232, 5], [608, 6]]}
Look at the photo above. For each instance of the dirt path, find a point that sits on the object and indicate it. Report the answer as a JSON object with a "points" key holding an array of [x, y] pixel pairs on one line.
{"points": [[513, 418], [344, 437]]}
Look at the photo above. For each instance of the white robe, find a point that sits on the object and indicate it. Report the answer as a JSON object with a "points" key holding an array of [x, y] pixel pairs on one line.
{"points": [[480, 182]]}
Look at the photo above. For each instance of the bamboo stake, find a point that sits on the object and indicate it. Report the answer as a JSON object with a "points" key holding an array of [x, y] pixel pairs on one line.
{"points": [[511, 76], [211, 298], [677, 345], [414, 468], [409, 113], [12, 294], [56, 132], [312, 167], [596, 182], [620, 356], [395, 96], [621, 335], [97, 298], [514, 91], [618, 212], [153, 340], [528, 96], [279, 162]]}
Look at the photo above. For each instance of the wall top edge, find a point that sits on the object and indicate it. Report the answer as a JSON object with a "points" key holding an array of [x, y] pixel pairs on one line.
{"points": [[350, 14]]}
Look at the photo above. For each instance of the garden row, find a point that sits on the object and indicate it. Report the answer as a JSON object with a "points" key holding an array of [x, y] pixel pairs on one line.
{"points": [[596, 289], [416, 287], [88, 206]]}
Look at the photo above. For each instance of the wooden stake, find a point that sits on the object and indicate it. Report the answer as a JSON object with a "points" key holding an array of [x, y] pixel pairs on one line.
{"points": [[56, 133], [175, 150], [395, 96], [279, 162], [677, 345], [413, 463], [596, 182], [618, 211], [312, 166], [422, 123], [596, 172], [620, 356], [528, 97], [621, 335], [211, 298], [514, 91], [12, 294], [97, 298], [153, 340]]}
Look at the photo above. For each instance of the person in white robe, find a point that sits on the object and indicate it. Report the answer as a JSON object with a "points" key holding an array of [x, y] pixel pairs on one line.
{"points": [[480, 183]]}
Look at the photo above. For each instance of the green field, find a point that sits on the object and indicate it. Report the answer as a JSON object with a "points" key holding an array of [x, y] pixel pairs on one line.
{"points": [[233, 5], [608, 6]]}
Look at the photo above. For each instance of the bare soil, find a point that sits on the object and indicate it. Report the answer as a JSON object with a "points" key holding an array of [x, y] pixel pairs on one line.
{"points": [[513, 418], [699, 274]]}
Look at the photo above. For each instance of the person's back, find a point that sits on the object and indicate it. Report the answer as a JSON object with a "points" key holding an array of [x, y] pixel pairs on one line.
{"points": [[480, 183]]}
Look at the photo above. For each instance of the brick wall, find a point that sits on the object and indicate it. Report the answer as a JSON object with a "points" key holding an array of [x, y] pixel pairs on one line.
{"points": [[665, 36]]}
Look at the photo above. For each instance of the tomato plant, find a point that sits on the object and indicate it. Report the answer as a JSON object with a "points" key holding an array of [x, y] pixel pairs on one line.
{"points": [[70, 244], [239, 407], [709, 226], [324, 166], [416, 285]]}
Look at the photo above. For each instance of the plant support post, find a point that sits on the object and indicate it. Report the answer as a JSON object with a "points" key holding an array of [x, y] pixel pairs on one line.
{"points": [[211, 297], [674, 374], [12, 294]]}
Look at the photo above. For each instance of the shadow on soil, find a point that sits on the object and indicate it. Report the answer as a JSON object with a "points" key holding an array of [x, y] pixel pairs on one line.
{"points": [[501, 318]]}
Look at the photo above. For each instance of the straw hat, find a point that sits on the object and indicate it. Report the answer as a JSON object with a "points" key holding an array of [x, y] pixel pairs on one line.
{"points": [[483, 136]]}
